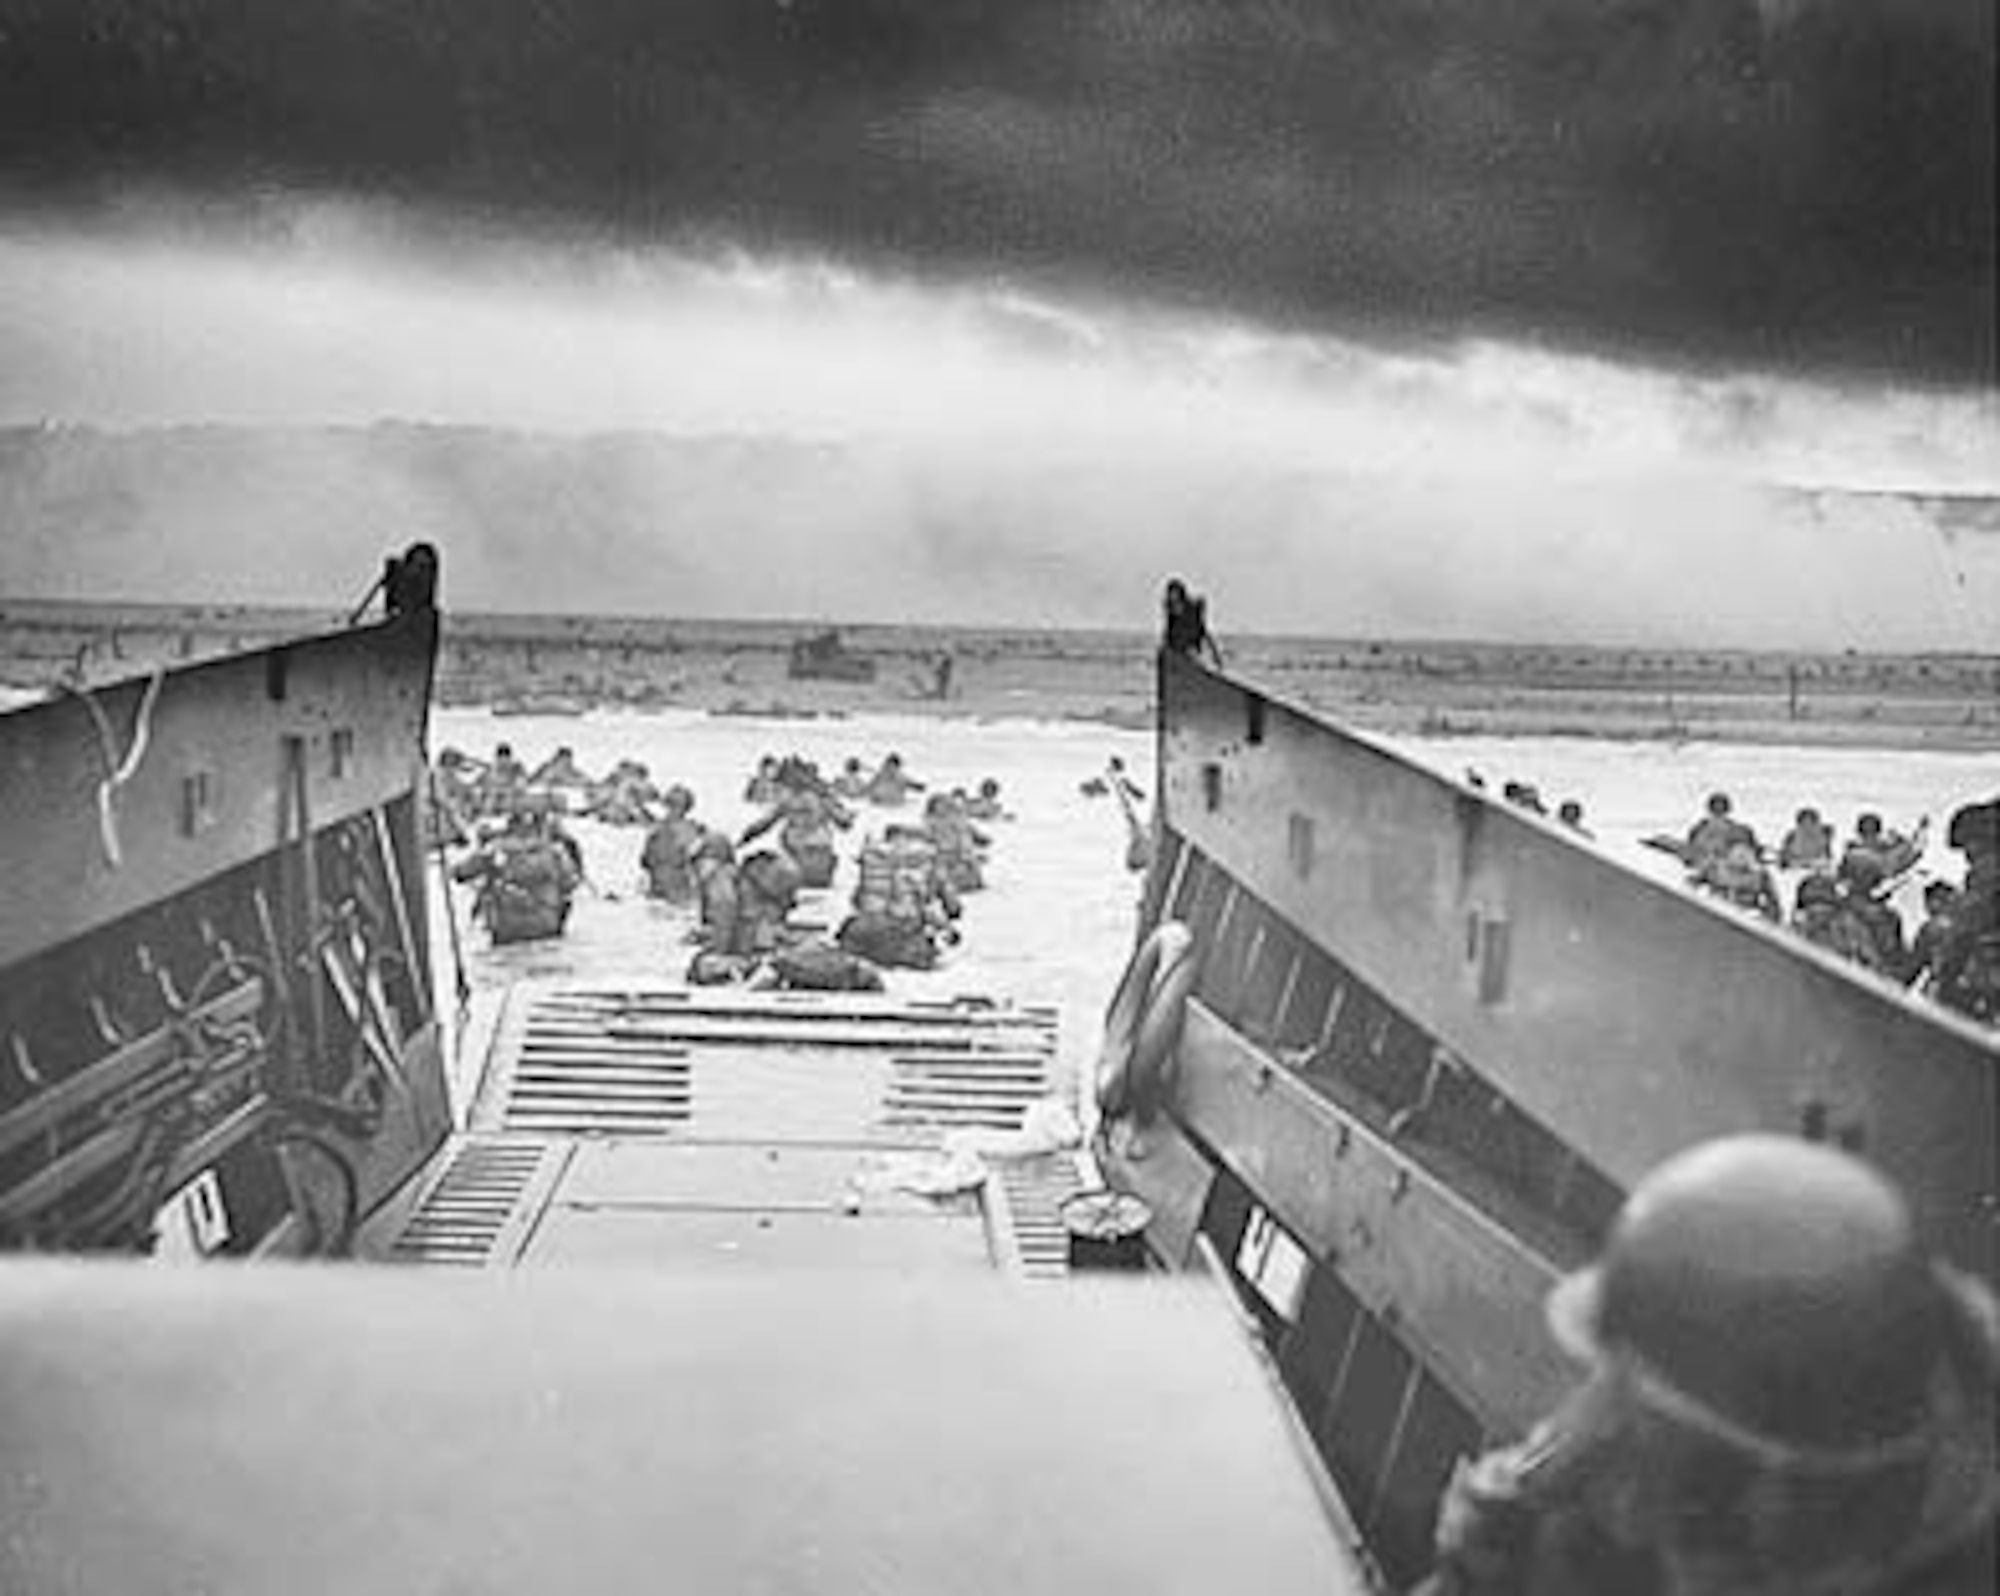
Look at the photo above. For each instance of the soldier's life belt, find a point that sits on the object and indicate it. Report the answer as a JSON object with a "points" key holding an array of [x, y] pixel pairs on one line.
{"points": [[1144, 1020]]}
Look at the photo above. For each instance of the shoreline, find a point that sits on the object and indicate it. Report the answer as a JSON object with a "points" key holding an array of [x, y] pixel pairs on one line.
{"points": [[563, 665], [1389, 721]]}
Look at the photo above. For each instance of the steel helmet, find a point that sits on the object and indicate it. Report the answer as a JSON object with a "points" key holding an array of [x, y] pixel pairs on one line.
{"points": [[1770, 1292]]}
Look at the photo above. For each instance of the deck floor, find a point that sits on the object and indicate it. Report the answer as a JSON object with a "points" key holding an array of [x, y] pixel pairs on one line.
{"points": [[690, 1129]]}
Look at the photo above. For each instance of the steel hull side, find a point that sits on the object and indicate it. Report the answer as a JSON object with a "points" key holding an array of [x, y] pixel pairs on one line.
{"points": [[216, 908], [1629, 1018], [212, 789], [1431, 1041]]}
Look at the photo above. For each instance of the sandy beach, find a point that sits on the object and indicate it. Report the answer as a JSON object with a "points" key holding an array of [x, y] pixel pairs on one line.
{"points": [[567, 664]]}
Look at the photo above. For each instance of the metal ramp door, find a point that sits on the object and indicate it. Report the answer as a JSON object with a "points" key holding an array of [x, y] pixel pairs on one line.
{"points": [[634, 1123]]}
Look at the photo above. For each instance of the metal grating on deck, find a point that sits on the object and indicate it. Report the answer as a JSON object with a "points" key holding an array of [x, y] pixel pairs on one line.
{"points": [[477, 1203], [575, 1074], [734, 1017], [708, 1128], [971, 1086], [1026, 1198], [633, 1060]]}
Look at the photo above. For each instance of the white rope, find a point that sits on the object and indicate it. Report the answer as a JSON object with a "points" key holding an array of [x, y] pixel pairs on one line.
{"points": [[118, 771]]}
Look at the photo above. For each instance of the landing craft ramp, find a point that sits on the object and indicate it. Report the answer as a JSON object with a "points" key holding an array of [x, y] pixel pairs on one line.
{"points": [[813, 1380], [744, 1314], [633, 1123]]}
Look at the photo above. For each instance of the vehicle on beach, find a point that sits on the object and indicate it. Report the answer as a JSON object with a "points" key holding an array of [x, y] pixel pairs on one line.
{"points": [[824, 657], [772, 1288]]}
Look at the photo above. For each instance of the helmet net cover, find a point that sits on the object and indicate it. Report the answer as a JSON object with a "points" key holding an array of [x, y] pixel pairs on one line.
{"points": [[1771, 1291]]}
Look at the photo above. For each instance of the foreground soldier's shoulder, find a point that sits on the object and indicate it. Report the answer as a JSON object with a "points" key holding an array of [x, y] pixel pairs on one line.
{"points": [[1485, 1527], [1970, 1567]]}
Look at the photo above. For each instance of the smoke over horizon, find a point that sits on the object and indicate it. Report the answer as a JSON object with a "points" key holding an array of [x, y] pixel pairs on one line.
{"points": [[765, 529]]}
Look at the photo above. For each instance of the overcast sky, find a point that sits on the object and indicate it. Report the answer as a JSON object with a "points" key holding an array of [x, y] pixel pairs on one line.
{"points": [[1482, 247]]}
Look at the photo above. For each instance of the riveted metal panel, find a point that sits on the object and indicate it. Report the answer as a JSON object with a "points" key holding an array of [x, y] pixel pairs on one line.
{"points": [[206, 787], [1463, 1283], [1630, 1018]]}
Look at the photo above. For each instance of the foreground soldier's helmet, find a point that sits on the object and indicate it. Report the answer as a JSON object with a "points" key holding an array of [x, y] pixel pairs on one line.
{"points": [[1771, 1293]]}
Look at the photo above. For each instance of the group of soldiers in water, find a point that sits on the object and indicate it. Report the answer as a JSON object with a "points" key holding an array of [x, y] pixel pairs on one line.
{"points": [[468, 791], [1526, 795], [1843, 901], [525, 863], [905, 907]]}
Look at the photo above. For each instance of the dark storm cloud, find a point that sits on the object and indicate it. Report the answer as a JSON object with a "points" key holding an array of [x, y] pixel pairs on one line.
{"points": [[1802, 184]]}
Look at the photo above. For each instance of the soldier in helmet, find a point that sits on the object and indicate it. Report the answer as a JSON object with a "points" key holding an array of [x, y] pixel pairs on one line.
{"points": [[668, 855], [526, 877], [1712, 836], [1821, 915], [985, 804], [1786, 1396], [767, 885], [852, 782], [1863, 893], [1184, 624], [763, 786], [500, 781], [1808, 845], [1936, 931], [1893, 851], [806, 816], [961, 846], [560, 769], [1739, 877], [891, 785], [1966, 971], [713, 863]]}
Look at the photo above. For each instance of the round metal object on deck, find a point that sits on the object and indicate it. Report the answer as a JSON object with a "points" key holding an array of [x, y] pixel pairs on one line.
{"points": [[1107, 1229]]}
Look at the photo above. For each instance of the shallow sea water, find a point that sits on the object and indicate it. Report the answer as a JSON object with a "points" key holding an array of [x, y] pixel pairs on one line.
{"points": [[1055, 923]]}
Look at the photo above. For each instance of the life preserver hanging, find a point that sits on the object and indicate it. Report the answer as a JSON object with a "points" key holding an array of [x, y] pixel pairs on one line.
{"points": [[1144, 1020]]}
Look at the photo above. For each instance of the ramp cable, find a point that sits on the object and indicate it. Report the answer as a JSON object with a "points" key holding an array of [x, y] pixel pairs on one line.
{"points": [[118, 771]]}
